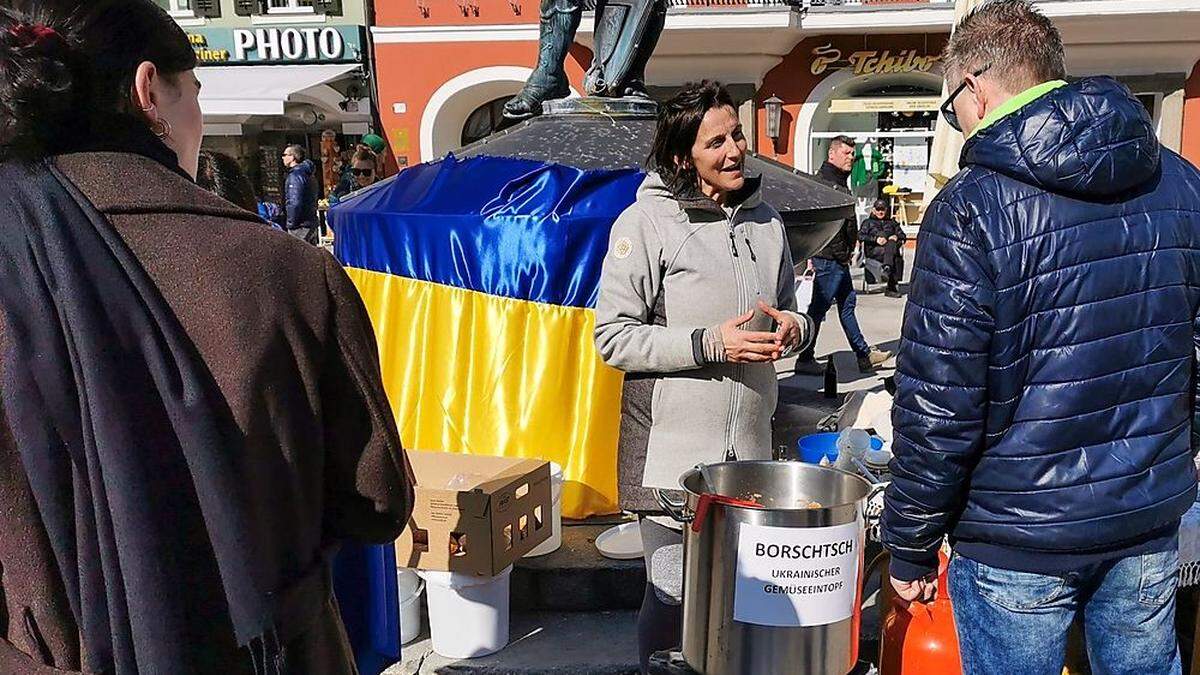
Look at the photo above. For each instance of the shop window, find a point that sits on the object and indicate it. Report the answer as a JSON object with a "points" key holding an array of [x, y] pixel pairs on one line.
{"points": [[1153, 104], [486, 120], [287, 7], [290, 7], [188, 9]]}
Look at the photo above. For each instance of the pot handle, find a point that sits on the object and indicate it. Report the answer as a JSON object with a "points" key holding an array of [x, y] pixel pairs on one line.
{"points": [[674, 510], [876, 489]]}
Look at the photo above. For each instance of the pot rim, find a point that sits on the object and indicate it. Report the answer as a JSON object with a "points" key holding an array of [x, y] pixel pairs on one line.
{"points": [[869, 488]]}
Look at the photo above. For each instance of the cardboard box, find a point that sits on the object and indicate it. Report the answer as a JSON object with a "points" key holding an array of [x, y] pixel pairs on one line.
{"points": [[475, 515]]}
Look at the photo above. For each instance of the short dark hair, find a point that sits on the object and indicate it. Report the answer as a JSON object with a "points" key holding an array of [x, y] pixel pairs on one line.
{"points": [[67, 68], [679, 121], [880, 205], [220, 174], [1021, 46], [298, 152], [842, 140]]}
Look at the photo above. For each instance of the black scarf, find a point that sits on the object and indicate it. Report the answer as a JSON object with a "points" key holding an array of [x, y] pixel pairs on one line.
{"points": [[130, 449]]}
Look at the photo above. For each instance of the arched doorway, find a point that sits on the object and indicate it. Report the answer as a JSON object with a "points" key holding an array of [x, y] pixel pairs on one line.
{"points": [[890, 117], [868, 107], [485, 121], [449, 107]]}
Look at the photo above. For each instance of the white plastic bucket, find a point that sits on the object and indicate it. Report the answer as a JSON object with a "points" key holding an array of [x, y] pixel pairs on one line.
{"points": [[468, 615], [410, 586], [556, 489]]}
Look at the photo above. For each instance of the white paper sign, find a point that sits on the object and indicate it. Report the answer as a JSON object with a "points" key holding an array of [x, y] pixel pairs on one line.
{"points": [[788, 576]]}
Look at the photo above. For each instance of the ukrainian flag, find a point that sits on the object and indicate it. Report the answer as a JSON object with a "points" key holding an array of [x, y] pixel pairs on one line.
{"points": [[480, 276]]}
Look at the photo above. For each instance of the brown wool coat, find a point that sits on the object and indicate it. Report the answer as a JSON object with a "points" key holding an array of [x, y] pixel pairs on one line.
{"points": [[290, 345]]}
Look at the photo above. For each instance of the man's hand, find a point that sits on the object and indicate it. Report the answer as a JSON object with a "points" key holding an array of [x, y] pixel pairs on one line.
{"points": [[743, 346], [787, 332], [882, 241], [921, 590]]}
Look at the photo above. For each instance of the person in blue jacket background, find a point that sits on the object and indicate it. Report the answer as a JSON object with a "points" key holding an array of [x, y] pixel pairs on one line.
{"points": [[300, 195], [1045, 389]]}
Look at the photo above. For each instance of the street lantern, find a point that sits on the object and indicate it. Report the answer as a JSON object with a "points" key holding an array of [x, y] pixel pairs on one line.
{"points": [[774, 106]]}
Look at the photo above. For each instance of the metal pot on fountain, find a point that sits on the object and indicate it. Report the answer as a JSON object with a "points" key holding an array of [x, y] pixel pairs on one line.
{"points": [[773, 567]]}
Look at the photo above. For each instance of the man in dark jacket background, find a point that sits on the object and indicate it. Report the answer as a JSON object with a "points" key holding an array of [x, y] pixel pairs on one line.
{"points": [[833, 283], [300, 195], [883, 242], [1044, 411]]}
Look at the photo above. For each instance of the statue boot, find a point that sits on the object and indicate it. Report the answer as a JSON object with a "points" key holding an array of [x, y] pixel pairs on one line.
{"points": [[634, 85], [559, 21], [626, 34]]}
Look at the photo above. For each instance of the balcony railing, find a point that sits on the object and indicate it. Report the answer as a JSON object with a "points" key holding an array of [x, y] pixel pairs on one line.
{"points": [[700, 4], [872, 3], [802, 4]]}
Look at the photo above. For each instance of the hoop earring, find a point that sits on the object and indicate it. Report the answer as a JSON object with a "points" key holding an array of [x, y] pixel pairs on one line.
{"points": [[161, 128]]}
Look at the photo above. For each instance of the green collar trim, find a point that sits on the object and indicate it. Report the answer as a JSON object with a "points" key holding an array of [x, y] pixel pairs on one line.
{"points": [[1017, 102]]}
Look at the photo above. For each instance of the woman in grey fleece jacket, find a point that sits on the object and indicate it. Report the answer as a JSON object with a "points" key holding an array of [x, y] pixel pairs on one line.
{"points": [[697, 300]]}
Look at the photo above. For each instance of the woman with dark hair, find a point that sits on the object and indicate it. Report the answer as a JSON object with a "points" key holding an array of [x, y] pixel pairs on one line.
{"points": [[220, 174], [363, 172], [192, 413], [697, 300]]}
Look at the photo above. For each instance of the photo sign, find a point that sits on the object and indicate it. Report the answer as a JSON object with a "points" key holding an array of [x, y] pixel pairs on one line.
{"points": [[278, 44], [791, 577]]}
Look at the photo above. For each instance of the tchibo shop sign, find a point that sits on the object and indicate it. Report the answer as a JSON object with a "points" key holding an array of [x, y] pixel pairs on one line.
{"points": [[284, 44]]}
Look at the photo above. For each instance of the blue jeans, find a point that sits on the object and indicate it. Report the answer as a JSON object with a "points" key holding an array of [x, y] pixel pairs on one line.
{"points": [[833, 284], [1016, 622]]}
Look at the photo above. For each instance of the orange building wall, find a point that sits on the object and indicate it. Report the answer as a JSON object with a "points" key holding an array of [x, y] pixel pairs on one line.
{"points": [[411, 73], [1191, 117], [792, 80], [455, 12]]}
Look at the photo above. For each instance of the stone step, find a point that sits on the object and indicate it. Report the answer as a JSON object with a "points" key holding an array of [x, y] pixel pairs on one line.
{"points": [[576, 578], [542, 643]]}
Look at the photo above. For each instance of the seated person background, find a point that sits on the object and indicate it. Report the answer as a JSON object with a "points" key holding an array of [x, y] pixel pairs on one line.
{"points": [[883, 241]]}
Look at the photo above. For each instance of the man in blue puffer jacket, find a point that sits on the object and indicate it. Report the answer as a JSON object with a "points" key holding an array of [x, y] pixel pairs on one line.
{"points": [[1043, 418], [300, 196]]}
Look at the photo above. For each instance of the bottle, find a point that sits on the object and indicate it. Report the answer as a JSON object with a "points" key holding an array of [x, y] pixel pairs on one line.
{"points": [[878, 461], [831, 379]]}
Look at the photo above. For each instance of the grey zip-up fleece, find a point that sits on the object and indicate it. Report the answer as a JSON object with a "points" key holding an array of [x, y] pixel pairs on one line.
{"points": [[677, 267]]}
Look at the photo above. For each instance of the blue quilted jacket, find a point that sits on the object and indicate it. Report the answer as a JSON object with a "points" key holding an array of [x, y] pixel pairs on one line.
{"points": [[1046, 373]]}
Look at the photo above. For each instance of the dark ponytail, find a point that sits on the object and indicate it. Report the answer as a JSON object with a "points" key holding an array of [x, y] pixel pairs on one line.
{"points": [[679, 121], [220, 174], [67, 67]]}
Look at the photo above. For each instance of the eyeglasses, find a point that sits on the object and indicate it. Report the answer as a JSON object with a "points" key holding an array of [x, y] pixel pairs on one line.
{"points": [[362, 172], [948, 107]]}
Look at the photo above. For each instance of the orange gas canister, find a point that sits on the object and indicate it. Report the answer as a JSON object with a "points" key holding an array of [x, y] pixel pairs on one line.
{"points": [[919, 639]]}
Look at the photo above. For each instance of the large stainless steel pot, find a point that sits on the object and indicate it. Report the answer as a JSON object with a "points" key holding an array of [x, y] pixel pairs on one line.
{"points": [[794, 607]]}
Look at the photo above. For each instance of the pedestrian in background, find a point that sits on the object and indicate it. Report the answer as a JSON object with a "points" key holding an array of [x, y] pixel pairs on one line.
{"points": [[300, 195], [833, 284], [364, 172], [193, 415], [1046, 391], [883, 242]]}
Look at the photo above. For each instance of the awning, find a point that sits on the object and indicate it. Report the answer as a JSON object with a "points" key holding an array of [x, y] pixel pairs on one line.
{"points": [[260, 90], [888, 104]]}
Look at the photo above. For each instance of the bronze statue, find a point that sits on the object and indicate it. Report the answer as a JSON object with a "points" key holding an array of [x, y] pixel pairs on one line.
{"points": [[626, 34]]}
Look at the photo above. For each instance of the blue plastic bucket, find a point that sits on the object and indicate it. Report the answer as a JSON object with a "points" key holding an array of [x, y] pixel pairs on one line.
{"points": [[814, 447]]}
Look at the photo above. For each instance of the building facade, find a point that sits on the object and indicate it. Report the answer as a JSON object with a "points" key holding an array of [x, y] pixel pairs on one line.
{"points": [[281, 72], [866, 68]]}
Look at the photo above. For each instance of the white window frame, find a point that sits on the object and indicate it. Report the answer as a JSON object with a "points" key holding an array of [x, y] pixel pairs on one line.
{"points": [[177, 10], [1156, 111], [293, 8]]}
